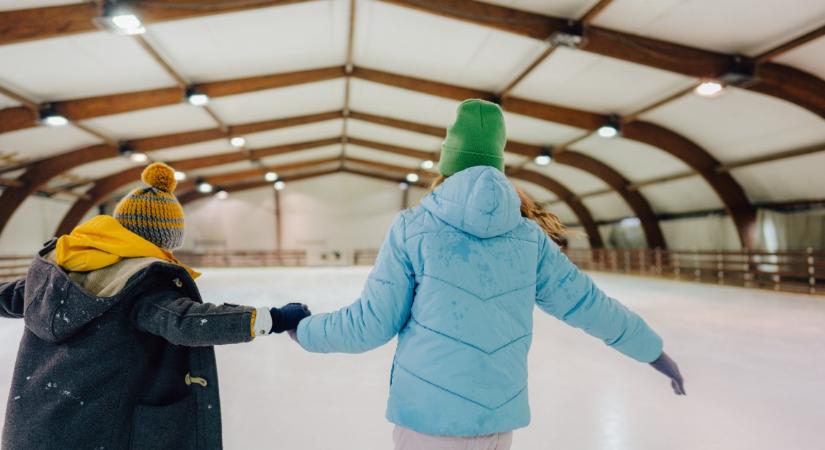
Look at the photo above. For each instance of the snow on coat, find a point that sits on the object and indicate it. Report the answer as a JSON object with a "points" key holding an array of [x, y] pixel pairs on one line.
{"points": [[117, 358], [457, 279]]}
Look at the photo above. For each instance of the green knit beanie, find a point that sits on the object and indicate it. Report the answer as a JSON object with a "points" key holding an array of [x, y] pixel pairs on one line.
{"points": [[477, 138]]}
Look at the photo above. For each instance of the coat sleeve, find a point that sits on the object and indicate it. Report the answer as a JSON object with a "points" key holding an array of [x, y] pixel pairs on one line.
{"points": [[11, 299], [566, 293], [182, 321], [380, 313]]}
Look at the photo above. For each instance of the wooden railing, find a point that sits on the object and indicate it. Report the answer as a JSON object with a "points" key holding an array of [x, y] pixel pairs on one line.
{"points": [[365, 257], [782, 271], [14, 267], [244, 258]]}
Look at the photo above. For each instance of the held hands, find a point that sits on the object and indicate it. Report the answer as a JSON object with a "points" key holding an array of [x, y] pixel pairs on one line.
{"points": [[287, 317], [668, 367]]}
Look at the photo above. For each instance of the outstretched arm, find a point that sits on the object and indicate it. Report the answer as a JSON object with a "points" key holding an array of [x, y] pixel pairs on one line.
{"points": [[183, 321], [376, 317], [566, 293], [11, 299]]}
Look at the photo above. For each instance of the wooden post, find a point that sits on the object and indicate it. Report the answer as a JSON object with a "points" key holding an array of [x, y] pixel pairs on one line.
{"points": [[405, 198], [278, 224], [811, 271]]}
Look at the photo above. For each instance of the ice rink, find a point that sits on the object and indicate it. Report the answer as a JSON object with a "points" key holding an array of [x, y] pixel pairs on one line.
{"points": [[752, 360]]}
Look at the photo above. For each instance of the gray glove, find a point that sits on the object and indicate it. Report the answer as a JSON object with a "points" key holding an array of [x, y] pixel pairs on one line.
{"points": [[668, 367]]}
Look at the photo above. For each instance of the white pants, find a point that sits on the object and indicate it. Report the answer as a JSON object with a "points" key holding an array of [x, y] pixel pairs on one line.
{"points": [[406, 439]]}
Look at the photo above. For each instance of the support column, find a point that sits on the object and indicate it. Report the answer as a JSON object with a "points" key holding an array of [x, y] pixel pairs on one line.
{"points": [[278, 222], [405, 198]]}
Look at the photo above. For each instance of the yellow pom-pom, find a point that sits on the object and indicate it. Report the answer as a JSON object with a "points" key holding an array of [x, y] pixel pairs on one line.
{"points": [[160, 176]]}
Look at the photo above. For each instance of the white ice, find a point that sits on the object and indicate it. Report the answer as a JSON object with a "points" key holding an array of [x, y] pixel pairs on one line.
{"points": [[753, 363]]}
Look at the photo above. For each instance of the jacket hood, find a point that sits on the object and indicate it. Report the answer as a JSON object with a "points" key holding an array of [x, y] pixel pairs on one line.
{"points": [[479, 201], [57, 308]]}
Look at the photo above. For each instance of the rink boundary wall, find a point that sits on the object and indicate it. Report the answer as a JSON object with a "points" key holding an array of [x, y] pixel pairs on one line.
{"points": [[800, 272]]}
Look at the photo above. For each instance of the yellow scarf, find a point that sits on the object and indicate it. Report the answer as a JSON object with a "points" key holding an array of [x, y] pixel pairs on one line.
{"points": [[103, 241]]}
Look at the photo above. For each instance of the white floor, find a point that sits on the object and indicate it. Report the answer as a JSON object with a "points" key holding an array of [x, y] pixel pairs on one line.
{"points": [[753, 363]]}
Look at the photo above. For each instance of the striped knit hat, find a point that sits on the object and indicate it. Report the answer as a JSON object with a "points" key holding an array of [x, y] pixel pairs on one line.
{"points": [[152, 212]]}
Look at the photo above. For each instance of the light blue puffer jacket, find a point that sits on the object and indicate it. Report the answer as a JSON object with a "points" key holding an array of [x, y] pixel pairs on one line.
{"points": [[456, 279]]}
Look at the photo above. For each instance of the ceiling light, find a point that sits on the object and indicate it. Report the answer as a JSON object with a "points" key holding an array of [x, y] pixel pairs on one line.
{"points": [[119, 20], [237, 141], [427, 164], [180, 176], [279, 185], [710, 89], [51, 118], [125, 150], [129, 23], [412, 177], [403, 186], [222, 195], [138, 157], [196, 98], [544, 158], [610, 129], [204, 187], [270, 176]]}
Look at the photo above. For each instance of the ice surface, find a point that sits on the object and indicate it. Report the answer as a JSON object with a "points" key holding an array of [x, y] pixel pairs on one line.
{"points": [[755, 374]]}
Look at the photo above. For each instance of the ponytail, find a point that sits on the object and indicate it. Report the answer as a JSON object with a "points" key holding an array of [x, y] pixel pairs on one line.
{"points": [[548, 221]]}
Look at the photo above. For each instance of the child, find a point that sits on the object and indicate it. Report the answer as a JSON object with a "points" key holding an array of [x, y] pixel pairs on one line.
{"points": [[456, 279], [116, 352]]}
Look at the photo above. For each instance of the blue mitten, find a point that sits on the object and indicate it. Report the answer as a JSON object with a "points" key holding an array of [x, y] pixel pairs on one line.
{"points": [[288, 317], [668, 367]]}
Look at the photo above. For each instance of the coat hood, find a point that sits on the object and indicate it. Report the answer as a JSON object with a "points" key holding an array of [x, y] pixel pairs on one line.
{"points": [[56, 307], [479, 201]]}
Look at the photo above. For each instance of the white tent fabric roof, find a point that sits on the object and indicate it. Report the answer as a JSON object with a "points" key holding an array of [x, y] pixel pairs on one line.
{"points": [[735, 126]]}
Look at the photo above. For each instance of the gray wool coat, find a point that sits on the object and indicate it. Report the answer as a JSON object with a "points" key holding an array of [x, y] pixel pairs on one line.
{"points": [[118, 358]]}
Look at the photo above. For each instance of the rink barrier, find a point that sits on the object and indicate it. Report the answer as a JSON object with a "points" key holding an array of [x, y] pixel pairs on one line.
{"points": [[13, 267], [798, 271], [252, 258], [365, 257]]}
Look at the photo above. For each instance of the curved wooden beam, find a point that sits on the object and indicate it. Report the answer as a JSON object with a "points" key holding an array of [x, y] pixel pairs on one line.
{"points": [[107, 185], [568, 116], [581, 212], [105, 105], [41, 23], [790, 84], [637, 202], [569, 198], [640, 206], [728, 189], [786, 83], [39, 173], [16, 118]]}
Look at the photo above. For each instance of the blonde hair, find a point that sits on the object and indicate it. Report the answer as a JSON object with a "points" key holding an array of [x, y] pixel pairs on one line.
{"points": [[548, 221]]}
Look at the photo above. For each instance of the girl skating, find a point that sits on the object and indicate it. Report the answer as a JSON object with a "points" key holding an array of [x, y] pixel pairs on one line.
{"points": [[457, 279]]}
